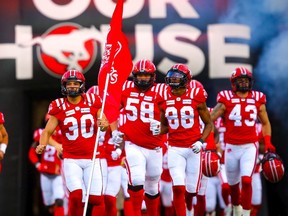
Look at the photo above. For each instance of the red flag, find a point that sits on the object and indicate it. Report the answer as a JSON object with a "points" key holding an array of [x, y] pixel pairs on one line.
{"points": [[117, 62]]}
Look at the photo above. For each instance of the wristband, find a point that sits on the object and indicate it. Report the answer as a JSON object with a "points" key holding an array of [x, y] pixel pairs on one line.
{"points": [[201, 140], [267, 139], [3, 147]]}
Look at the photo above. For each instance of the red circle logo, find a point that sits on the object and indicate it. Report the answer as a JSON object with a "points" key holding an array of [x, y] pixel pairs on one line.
{"points": [[67, 46]]}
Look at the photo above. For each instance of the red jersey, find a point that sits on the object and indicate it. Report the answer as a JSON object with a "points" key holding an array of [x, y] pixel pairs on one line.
{"points": [[183, 116], [241, 115], [2, 121], [78, 124], [110, 147], [49, 160], [139, 107]]}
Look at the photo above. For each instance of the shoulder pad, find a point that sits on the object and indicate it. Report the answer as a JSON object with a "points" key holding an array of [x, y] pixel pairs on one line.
{"points": [[259, 96], [56, 106], [199, 94], [37, 134]]}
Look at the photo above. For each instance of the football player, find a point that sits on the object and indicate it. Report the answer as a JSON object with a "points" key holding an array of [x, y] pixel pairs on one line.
{"points": [[143, 149], [181, 106], [77, 117], [240, 108], [51, 181]]}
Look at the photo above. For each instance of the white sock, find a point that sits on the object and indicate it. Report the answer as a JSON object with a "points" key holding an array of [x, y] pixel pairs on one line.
{"points": [[246, 212], [237, 210]]}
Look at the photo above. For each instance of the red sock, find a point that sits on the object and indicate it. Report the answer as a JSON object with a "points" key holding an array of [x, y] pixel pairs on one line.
{"points": [[225, 193], [110, 205], [128, 208], [235, 194], [169, 211], [255, 210], [98, 205], [246, 192], [153, 205], [200, 207], [188, 200], [76, 206], [58, 211], [136, 198], [179, 200], [221, 212]]}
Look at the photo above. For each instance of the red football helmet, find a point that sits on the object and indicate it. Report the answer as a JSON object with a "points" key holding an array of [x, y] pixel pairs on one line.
{"points": [[144, 67], [196, 84], [178, 76], [210, 163], [272, 167], [73, 75], [241, 72], [94, 90]]}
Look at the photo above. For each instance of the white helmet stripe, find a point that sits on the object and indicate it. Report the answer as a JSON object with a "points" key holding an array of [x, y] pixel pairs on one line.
{"points": [[176, 66], [273, 171], [142, 65]]}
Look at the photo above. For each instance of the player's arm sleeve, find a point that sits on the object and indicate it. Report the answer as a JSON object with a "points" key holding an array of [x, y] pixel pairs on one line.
{"points": [[262, 99], [221, 97], [200, 95], [32, 154], [51, 124]]}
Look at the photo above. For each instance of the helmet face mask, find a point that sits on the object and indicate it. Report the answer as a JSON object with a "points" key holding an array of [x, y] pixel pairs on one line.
{"points": [[144, 74], [241, 80], [272, 167], [176, 79], [73, 88], [72, 76], [142, 82], [178, 76]]}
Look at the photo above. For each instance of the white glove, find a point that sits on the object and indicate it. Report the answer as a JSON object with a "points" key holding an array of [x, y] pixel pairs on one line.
{"points": [[196, 147], [116, 154], [117, 137], [101, 137], [155, 126]]}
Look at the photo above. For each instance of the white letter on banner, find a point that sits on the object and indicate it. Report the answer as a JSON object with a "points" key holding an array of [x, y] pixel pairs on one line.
{"points": [[169, 41], [23, 56], [130, 9], [158, 9], [61, 12], [219, 50]]}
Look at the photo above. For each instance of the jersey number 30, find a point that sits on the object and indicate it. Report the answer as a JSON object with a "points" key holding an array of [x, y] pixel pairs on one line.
{"points": [[75, 129]]}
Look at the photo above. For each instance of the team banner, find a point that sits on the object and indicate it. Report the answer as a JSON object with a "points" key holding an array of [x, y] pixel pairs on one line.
{"points": [[41, 39], [117, 63]]}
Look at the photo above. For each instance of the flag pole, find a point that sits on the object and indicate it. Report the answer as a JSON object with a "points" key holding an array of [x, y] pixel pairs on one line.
{"points": [[95, 147]]}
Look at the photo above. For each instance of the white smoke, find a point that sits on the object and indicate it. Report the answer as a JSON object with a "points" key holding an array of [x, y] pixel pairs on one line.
{"points": [[265, 18], [272, 74], [268, 20]]}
